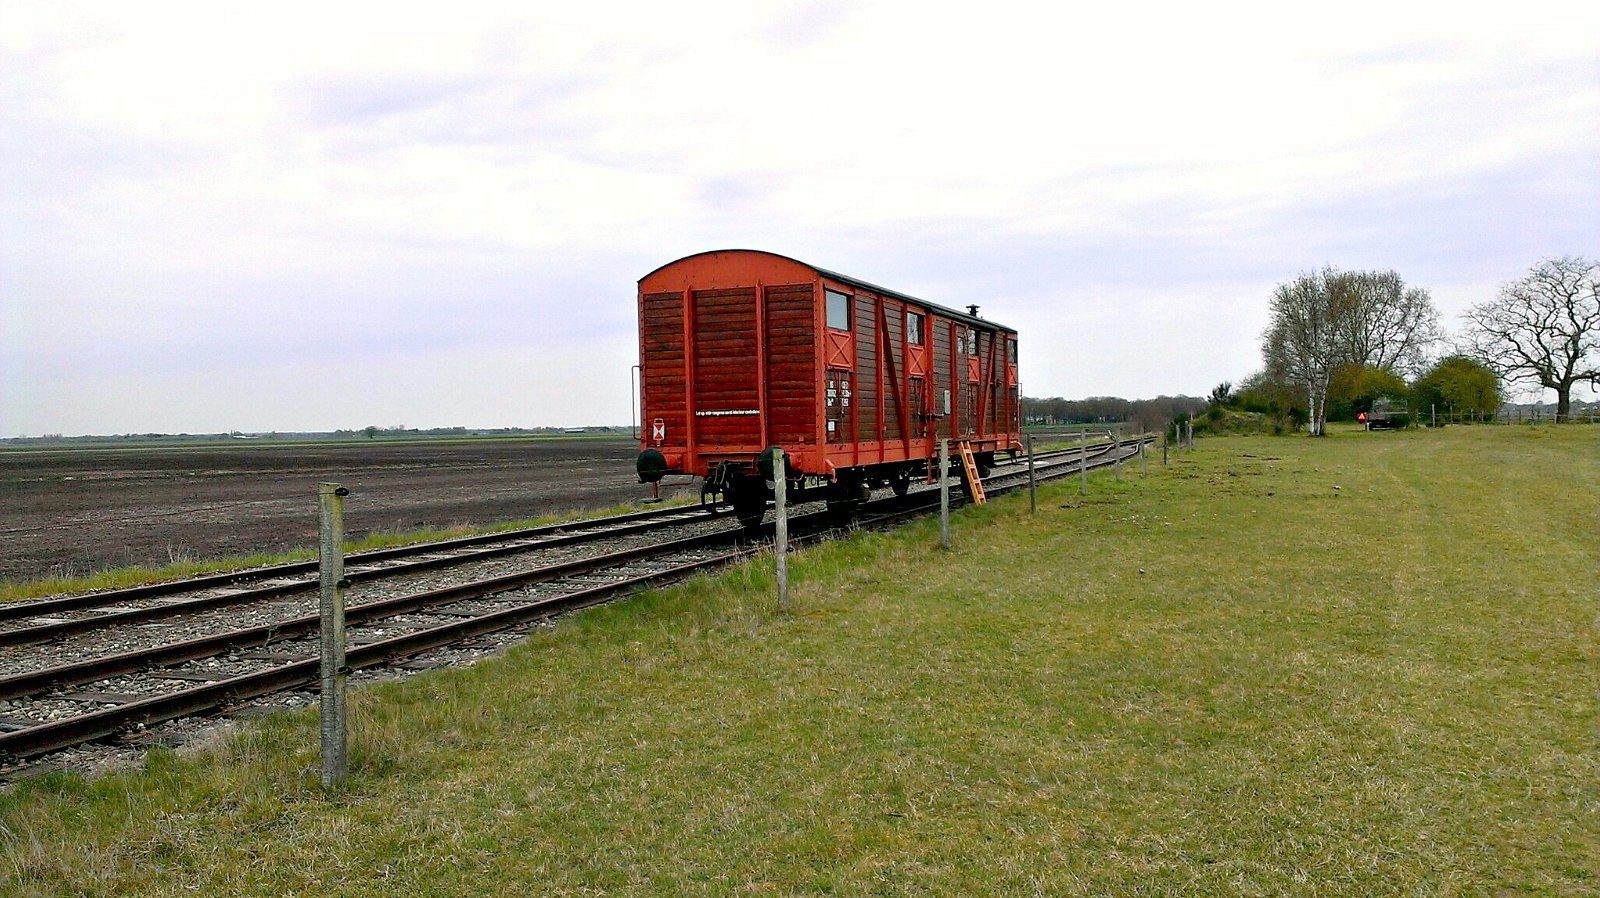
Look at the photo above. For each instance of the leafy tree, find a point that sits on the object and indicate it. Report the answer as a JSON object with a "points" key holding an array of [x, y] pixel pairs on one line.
{"points": [[1262, 394], [1543, 329], [1354, 388], [1458, 385]]}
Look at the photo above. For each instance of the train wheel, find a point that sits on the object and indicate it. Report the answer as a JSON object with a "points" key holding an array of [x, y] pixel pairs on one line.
{"points": [[846, 496], [900, 482], [711, 498], [749, 501]]}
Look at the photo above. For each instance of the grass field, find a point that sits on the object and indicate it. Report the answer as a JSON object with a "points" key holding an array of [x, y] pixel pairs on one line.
{"points": [[1361, 665]]}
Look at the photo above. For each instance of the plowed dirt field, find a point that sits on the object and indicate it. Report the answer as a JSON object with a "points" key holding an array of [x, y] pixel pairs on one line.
{"points": [[70, 512]]}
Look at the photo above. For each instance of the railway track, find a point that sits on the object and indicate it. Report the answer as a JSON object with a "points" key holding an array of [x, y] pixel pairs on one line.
{"points": [[85, 693], [68, 615], [360, 566]]}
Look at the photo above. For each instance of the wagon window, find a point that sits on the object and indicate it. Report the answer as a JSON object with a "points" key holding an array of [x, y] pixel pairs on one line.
{"points": [[838, 310], [1011, 351], [914, 322]]}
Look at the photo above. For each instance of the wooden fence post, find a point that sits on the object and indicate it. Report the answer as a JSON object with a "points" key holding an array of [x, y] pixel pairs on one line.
{"points": [[335, 675], [780, 502], [1033, 492], [1083, 463], [944, 493]]}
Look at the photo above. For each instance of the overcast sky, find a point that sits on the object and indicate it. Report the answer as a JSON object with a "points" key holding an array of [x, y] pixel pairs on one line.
{"points": [[302, 217]]}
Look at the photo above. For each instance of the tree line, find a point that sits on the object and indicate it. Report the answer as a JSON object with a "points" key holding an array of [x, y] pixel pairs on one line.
{"points": [[1152, 415], [1341, 341]]}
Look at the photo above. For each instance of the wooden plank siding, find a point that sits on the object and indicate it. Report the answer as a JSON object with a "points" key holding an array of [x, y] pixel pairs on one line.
{"points": [[663, 378], [736, 347], [726, 390], [943, 340], [892, 318], [792, 347], [868, 380]]}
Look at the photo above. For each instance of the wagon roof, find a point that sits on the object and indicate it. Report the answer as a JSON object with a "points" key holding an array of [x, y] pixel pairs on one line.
{"points": [[855, 282]]}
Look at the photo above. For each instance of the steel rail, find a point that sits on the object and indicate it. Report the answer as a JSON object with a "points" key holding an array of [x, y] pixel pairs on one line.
{"points": [[47, 737], [43, 738], [76, 674], [25, 608], [565, 535], [56, 629]]}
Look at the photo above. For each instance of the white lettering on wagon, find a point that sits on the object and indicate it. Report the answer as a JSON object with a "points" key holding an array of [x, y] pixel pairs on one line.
{"points": [[727, 413]]}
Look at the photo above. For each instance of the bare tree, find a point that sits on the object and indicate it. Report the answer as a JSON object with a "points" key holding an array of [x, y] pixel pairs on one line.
{"points": [[1543, 329], [1387, 324], [1307, 339]]}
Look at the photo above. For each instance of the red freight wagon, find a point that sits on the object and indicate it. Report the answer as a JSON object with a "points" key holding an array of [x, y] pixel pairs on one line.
{"points": [[742, 350]]}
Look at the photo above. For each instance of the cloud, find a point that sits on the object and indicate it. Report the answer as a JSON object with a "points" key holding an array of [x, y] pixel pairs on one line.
{"points": [[218, 197], [362, 100]]}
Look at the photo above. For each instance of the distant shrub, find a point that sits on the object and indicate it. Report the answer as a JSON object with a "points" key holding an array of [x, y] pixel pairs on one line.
{"points": [[1226, 420]]}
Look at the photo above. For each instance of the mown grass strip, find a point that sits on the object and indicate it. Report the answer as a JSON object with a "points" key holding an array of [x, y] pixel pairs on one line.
{"points": [[1363, 665]]}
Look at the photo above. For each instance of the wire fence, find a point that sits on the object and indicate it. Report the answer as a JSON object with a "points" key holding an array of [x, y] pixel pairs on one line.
{"points": [[1535, 416], [1510, 416]]}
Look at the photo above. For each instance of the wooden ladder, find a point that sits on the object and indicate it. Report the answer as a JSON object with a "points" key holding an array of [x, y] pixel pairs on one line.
{"points": [[974, 482]]}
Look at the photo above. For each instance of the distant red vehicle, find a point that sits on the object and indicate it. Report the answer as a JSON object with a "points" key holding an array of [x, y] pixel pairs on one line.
{"points": [[742, 351]]}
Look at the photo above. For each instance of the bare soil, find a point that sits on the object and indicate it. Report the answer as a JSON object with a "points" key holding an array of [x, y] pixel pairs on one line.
{"points": [[75, 511]]}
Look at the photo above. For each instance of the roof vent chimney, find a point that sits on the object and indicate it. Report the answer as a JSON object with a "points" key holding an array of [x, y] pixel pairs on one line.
{"points": [[973, 311]]}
